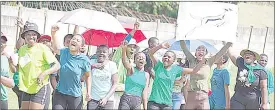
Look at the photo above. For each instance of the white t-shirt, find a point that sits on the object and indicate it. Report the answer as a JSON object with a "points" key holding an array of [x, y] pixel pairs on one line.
{"points": [[102, 80]]}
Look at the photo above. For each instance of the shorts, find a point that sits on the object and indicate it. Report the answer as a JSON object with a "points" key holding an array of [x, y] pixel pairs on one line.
{"points": [[40, 97], [156, 106], [4, 105], [94, 104], [128, 101], [64, 101]]}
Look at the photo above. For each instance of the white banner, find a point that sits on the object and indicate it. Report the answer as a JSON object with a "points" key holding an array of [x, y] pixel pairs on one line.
{"points": [[207, 20]]}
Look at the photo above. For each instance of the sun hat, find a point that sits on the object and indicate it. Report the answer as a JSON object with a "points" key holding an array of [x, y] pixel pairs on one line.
{"points": [[247, 50], [29, 26]]}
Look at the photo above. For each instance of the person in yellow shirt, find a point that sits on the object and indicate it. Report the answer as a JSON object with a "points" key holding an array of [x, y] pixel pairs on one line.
{"points": [[36, 62]]}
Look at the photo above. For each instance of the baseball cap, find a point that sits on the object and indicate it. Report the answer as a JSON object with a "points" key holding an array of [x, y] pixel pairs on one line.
{"points": [[44, 37]]}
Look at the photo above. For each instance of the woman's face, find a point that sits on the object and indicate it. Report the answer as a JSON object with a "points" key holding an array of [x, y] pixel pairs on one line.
{"points": [[30, 38], [102, 54], [168, 59], [131, 49], [140, 60], [249, 57], [263, 61], [75, 43], [200, 53]]}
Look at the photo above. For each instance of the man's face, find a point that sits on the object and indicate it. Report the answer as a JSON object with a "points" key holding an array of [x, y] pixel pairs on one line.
{"points": [[263, 61], [3, 44], [67, 41], [153, 43]]}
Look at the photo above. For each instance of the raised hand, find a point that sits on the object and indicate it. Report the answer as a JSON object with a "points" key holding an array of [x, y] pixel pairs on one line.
{"points": [[165, 45], [19, 22], [55, 28], [136, 26]]}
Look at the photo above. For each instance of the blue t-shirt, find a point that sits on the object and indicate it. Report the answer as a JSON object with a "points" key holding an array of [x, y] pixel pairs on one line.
{"points": [[218, 80], [71, 70]]}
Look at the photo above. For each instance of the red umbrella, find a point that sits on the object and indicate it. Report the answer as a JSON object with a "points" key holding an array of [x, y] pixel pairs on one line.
{"points": [[100, 37]]}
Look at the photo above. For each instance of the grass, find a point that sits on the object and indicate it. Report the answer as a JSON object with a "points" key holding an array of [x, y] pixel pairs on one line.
{"points": [[12, 98]]}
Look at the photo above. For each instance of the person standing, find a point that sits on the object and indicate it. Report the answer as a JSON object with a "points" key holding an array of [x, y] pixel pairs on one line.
{"points": [[34, 69], [136, 84], [220, 80], [6, 81], [251, 82], [270, 79], [198, 87], [165, 75], [74, 67], [104, 81]]}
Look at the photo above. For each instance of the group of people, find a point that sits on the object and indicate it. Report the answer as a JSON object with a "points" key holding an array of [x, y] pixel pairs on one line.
{"points": [[150, 82]]}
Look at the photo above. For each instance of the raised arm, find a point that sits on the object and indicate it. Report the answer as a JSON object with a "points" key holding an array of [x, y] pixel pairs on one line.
{"points": [[136, 26], [231, 55], [220, 53], [56, 46], [155, 49], [125, 61], [20, 40], [186, 51], [76, 30]]}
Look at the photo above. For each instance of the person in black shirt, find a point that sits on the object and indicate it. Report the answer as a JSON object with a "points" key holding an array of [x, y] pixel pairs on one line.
{"points": [[251, 82]]}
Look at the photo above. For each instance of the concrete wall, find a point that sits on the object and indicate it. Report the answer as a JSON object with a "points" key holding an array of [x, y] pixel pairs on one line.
{"points": [[163, 31]]}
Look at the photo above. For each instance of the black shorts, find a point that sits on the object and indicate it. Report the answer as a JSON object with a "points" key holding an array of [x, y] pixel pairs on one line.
{"points": [[40, 97]]}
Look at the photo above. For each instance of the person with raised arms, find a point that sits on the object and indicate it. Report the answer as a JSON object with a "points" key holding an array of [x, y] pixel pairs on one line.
{"points": [[165, 75], [74, 66], [136, 83], [197, 97]]}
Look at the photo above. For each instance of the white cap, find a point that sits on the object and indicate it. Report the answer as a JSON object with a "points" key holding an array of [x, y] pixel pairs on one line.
{"points": [[133, 42]]}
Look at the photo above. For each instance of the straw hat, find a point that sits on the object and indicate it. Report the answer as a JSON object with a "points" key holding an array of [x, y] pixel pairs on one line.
{"points": [[247, 50]]}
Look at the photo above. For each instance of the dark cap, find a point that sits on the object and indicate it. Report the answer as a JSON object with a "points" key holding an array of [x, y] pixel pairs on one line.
{"points": [[30, 27], [3, 37]]}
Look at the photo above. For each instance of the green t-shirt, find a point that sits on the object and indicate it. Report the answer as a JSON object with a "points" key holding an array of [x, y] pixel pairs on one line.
{"points": [[32, 62], [135, 83], [163, 83], [4, 73]]}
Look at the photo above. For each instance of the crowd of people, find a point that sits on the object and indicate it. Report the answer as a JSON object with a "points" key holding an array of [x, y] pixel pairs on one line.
{"points": [[40, 64]]}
